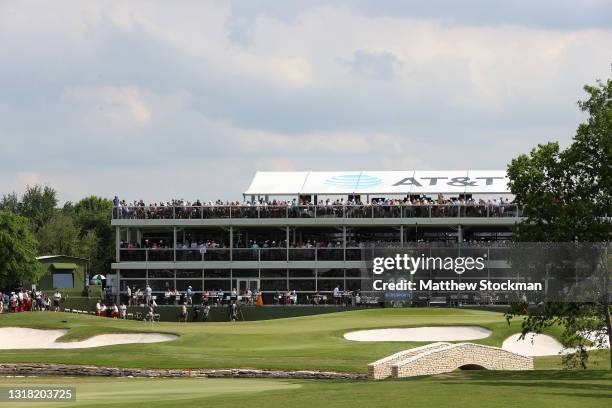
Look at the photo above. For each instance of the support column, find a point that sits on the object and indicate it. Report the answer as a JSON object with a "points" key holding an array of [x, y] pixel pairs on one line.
{"points": [[287, 243], [344, 243], [231, 242], [174, 243], [117, 243], [459, 234], [401, 236], [118, 300]]}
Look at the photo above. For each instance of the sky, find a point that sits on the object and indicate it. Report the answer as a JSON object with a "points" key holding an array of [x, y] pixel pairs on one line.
{"points": [[157, 100]]}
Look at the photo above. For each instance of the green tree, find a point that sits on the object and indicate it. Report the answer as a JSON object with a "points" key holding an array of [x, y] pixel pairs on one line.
{"points": [[88, 245], [60, 236], [18, 264], [9, 202], [567, 197], [94, 214], [38, 205]]}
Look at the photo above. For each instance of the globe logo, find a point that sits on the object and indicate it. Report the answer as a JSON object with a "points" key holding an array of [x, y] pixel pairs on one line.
{"points": [[353, 181]]}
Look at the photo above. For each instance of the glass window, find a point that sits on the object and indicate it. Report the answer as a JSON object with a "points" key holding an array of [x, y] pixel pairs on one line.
{"points": [[140, 273], [331, 273], [189, 273], [217, 284], [302, 285], [356, 284], [273, 285], [196, 285], [301, 273], [134, 284], [160, 285], [356, 273], [161, 273], [273, 273], [328, 285], [63, 280], [245, 273], [217, 273]]}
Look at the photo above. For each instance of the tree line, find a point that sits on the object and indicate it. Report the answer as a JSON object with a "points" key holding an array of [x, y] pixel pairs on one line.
{"points": [[32, 224]]}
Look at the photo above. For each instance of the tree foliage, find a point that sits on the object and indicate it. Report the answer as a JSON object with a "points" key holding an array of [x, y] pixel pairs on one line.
{"points": [[38, 205], [18, 249], [567, 197], [60, 236]]}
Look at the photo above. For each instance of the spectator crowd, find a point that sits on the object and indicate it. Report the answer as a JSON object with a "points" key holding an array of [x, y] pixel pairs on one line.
{"points": [[421, 206]]}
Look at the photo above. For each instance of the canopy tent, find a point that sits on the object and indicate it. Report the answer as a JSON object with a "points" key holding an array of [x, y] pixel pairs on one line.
{"points": [[378, 182]]}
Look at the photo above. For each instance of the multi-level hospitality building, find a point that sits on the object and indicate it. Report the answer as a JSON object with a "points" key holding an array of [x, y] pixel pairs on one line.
{"points": [[307, 231]]}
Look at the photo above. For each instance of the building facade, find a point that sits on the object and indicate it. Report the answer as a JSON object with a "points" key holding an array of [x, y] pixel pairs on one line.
{"points": [[305, 243]]}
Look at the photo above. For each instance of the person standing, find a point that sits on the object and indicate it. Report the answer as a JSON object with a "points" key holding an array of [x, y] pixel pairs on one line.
{"points": [[148, 293], [183, 315], [129, 295], [205, 313], [337, 295], [57, 297]]}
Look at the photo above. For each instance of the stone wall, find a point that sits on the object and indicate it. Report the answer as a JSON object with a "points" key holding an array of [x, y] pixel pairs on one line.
{"points": [[380, 369], [81, 370], [450, 357]]}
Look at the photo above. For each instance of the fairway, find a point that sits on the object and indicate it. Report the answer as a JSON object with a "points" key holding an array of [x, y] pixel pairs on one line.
{"points": [[461, 389], [311, 343], [300, 343]]}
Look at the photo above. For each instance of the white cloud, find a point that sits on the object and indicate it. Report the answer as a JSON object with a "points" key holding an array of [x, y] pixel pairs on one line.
{"points": [[159, 97]]}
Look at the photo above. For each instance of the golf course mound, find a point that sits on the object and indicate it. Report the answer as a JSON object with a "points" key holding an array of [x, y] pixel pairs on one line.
{"points": [[24, 338], [442, 333]]}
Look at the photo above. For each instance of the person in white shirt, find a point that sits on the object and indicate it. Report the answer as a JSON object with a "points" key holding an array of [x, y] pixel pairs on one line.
{"points": [[148, 292], [337, 295], [294, 298], [57, 297], [123, 311], [98, 308]]}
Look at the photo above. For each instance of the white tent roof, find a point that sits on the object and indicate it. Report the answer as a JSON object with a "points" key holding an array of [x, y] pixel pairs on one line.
{"points": [[379, 182]]}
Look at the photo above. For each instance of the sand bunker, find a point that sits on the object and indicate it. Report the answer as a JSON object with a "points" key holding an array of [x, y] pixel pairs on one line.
{"points": [[23, 338], [536, 345], [450, 333]]}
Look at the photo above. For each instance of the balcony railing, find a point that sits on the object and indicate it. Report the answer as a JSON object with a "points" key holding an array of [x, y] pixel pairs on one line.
{"points": [[238, 254], [317, 211]]}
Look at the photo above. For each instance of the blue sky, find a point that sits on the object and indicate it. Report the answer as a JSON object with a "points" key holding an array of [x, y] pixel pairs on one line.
{"points": [[156, 100]]}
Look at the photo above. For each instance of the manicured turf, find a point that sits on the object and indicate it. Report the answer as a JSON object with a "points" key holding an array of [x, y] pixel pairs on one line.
{"points": [[460, 389], [313, 342]]}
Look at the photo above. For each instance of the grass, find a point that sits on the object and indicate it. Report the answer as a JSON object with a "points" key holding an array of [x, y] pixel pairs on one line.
{"points": [[539, 389], [310, 343]]}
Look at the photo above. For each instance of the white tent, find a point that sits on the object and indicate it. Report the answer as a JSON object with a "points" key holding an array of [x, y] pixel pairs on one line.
{"points": [[379, 182]]}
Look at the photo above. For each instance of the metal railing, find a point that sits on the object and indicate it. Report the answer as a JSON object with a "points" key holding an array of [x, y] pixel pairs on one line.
{"points": [[237, 254], [318, 211]]}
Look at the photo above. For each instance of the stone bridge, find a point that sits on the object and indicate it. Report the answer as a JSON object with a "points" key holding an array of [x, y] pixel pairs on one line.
{"points": [[437, 358]]}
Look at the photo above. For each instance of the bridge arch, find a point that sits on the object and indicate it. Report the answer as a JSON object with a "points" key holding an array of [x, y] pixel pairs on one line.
{"points": [[445, 357]]}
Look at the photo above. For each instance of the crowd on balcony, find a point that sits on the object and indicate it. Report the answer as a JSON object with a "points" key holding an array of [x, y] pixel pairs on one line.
{"points": [[204, 246], [355, 208]]}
